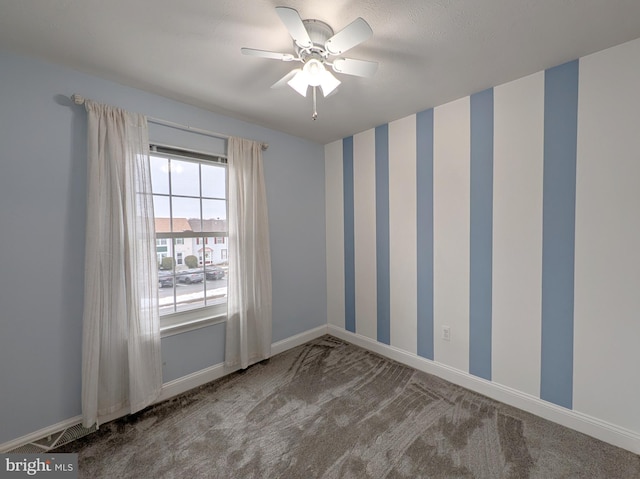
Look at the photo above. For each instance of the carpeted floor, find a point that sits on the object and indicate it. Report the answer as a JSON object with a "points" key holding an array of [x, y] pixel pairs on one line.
{"points": [[329, 409]]}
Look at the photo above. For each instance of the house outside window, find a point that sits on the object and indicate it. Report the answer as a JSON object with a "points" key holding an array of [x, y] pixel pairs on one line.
{"points": [[189, 195]]}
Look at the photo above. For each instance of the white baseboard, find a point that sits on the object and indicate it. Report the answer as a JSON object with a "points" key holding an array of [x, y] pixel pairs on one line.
{"points": [[583, 423], [298, 340], [191, 381], [169, 389]]}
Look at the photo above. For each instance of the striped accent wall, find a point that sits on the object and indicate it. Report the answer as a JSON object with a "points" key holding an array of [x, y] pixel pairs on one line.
{"points": [[516, 314], [481, 248], [383, 283], [558, 232], [509, 218], [402, 234], [349, 235], [424, 233]]}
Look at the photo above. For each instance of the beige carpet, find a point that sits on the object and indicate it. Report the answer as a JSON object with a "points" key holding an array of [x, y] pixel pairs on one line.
{"points": [[329, 409]]}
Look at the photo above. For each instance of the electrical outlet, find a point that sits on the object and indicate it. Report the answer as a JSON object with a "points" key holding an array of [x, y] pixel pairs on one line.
{"points": [[446, 333]]}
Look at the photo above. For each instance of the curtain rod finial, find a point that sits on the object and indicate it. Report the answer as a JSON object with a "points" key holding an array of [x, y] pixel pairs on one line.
{"points": [[77, 99], [265, 146]]}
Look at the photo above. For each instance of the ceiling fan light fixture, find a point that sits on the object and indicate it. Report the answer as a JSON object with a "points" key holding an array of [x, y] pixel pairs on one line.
{"points": [[315, 71], [328, 83], [300, 82]]}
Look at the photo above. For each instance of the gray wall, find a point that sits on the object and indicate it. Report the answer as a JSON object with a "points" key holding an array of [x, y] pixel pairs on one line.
{"points": [[42, 226]]}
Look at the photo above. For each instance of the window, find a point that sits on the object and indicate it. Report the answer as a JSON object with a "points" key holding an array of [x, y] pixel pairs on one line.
{"points": [[189, 197]]}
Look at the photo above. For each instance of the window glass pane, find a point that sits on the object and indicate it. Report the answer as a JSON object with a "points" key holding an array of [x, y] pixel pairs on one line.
{"points": [[216, 283], [166, 285], [181, 279], [189, 279], [162, 213], [205, 253], [214, 210], [166, 293], [213, 181], [185, 178], [186, 214], [160, 175]]}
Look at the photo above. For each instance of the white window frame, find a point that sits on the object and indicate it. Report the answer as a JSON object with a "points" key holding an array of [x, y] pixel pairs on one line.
{"points": [[180, 322]]}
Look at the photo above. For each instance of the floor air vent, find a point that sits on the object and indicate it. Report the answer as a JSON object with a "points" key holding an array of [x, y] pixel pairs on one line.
{"points": [[54, 440]]}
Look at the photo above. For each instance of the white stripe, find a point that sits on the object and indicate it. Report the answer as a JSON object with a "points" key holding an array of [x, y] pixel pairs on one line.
{"points": [[607, 255], [402, 233], [517, 233], [451, 216], [334, 221], [364, 199]]}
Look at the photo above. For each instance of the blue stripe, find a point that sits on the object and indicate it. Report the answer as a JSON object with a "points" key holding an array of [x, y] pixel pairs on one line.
{"points": [[382, 234], [558, 232], [424, 198], [349, 242], [481, 240]]}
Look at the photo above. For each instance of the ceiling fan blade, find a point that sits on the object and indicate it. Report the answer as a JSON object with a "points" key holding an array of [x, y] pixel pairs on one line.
{"points": [[353, 34], [285, 57], [360, 68], [293, 22], [285, 79]]}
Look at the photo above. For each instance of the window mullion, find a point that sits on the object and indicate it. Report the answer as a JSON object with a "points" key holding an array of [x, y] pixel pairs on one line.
{"points": [[187, 234]]}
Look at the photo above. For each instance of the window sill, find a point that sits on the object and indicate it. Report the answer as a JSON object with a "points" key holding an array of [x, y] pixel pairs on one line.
{"points": [[191, 325]]}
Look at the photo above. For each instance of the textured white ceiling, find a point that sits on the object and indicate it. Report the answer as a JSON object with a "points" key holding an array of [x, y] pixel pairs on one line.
{"points": [[430, 51]]}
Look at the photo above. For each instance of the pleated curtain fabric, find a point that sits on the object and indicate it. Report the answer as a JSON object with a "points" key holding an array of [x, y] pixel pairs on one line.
{"points": [[248, 336], [121, 362]]}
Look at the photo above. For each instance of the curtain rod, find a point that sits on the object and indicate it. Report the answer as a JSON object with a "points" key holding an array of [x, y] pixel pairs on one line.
{"points": [[79, 100]]}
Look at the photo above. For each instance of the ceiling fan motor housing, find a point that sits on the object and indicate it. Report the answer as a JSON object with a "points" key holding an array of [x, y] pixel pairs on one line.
{"points": [[319, 33]]}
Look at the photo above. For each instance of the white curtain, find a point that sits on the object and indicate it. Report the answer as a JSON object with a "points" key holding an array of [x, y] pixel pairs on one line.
{"points": [[248, 338], [121, 363]]}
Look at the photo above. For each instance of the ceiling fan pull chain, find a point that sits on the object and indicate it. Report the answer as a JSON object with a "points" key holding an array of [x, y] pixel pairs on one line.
{"points": [[315, 110]]}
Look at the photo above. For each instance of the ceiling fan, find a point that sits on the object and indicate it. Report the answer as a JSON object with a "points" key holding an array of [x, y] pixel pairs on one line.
{"points": [[314, 43]]}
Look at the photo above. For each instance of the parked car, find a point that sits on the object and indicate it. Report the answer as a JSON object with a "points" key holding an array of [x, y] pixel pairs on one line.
{"points": [[190, 276], [165, 279], [214, 272]]}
